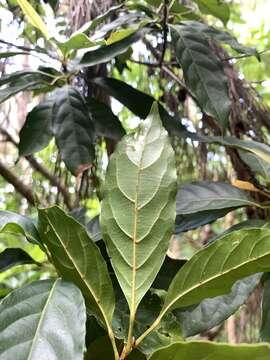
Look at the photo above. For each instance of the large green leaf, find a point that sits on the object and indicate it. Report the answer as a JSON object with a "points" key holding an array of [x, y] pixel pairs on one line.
{"points": [[14, 256], [73, 129], [213, 270], [138, 209], [211, 312], [219, 9], [192, 221], [203, 350], [19, 224], [205, 195], [14, 89], [43, 320], [259, 149], [78, 259], [107, 52], [106, 123], [256, 164], [223, 37], [203, 72], [36, 132], [139, 103], [265, 326]]}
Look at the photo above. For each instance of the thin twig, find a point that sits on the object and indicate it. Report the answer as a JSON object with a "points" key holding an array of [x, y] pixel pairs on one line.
{"points": [[165, 30]]}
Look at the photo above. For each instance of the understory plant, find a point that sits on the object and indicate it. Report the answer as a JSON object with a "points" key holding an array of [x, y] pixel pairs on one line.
{"points": [[115, 293]]}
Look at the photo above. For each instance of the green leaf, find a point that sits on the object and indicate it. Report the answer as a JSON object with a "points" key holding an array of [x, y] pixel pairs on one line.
{"points": [[265, 325], [36, 132], [77, 42], [78, 259], [223, 37], [259, 149], [192, 221], [211, 312], [206, 195], [203, 72], [14, 256], [138, 102], [213, 270], [19, 224], [14, 89], [108, 52], [43, 320], [93, 228], [7, 54], [90, 25], [34, 17], [73, 130], [138, 208], [167, 272], [106, 123], [217, 8], [203, 350], [256, 164]]}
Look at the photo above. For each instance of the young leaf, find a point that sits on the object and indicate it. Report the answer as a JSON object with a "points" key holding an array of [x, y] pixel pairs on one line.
{"points": [[43, 320], [214, 269], [138, 208], [106, 123], [203, 72], [77, 42], [36, 132], [14, 256], [211, 312], [19, 224], [203, 350], [34, 17], [217, 8], [78, 259], [73, 129], [108, 52]]}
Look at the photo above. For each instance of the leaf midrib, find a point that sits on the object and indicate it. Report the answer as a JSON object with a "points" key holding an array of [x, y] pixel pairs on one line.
{"points": [[82, 277], [43, 313]]}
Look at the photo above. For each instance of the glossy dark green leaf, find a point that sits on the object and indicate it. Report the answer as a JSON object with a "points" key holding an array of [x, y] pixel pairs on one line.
{"points": [[203, 72], [219, 9], [14, 89], [139, 103], [14, 256], [108, 52], [43, 320], [93, 227], [223, 37], [201, 196], [256, 164], [213, 270], [138, 209], [261, 150], [193, 221], [36, 132], [78, 259], [203, 350], [19, 224], [73, 129], [265, 325], [211, 312], [106, 123], [13, 77], [168, 270]]}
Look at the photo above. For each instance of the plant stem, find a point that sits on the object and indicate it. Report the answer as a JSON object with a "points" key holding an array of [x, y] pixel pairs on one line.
{"points": [[149, 330], [111, 336]]}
